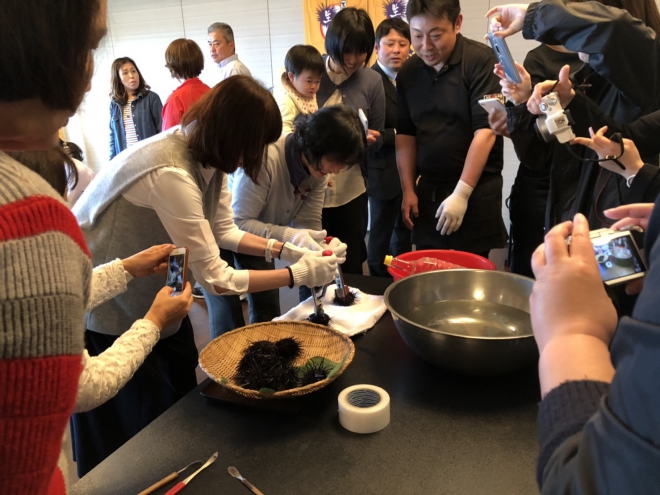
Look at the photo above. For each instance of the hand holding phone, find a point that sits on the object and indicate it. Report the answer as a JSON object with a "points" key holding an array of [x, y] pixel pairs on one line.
{"points": [[503, 54], [177, 269], [619, 259]]}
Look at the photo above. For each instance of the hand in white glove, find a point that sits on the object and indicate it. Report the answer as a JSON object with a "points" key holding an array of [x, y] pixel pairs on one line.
{"points": [[293, 253], [452, 209], [304, 238], [314, 269], [337, 247]]}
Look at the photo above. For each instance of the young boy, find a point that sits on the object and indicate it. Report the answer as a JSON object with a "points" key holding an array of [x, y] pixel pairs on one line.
{"points": [[300, 82]]}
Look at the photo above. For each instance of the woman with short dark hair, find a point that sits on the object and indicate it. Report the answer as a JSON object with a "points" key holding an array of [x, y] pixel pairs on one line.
{"points": [[174, 187], [135, 110], [285, 200], [347, 81], [185, 61]]}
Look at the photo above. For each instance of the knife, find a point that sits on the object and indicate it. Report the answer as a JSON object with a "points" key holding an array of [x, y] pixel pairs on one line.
{"points": [[166, 480], [182, 484]]}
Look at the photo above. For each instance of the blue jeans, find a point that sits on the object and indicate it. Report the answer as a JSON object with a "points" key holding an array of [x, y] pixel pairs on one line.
{"points": [[226, 312]]}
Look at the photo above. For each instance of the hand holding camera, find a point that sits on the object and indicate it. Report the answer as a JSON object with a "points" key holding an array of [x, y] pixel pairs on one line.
{"points": [[607, 148], [569, 296], [554, 123], [563, 87]]}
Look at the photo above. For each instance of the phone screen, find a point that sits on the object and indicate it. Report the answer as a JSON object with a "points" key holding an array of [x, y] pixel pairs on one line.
{"points": [[617, 257], [175, 269]]}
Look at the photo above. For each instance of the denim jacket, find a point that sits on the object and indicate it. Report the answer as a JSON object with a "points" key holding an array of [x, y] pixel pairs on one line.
{"points": [[147, 110]]}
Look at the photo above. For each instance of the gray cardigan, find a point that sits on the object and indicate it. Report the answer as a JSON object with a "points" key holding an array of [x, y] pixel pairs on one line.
{"points": [[364, 89], [267, 208]]}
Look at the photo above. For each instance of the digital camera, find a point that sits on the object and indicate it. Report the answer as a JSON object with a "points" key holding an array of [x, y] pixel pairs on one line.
{"points": [[555, 123]]}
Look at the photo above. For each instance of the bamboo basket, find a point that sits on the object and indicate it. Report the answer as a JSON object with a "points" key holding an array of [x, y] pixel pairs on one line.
{"points": [[221, 356]]}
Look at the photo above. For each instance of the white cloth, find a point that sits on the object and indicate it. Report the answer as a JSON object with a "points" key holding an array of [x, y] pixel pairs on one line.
{"points": [[350, 320], [177, 199], [231, 66]]}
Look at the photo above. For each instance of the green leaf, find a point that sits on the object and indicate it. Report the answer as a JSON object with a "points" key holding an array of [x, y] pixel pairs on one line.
{"points": [[266, 391], [337, 366], [223, 379]]}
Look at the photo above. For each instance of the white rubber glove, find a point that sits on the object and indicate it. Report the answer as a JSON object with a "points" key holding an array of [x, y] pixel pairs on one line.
{"points": [[314, 269], [305, 238], [292, 253], [452, 209], [337, 247]]}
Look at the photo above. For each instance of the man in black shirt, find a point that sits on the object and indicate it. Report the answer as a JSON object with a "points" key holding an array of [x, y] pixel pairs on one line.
{"points": [[443, 138]]}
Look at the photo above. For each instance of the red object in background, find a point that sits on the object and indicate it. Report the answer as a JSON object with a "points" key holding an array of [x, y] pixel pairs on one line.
{"points": [[466, 260]]}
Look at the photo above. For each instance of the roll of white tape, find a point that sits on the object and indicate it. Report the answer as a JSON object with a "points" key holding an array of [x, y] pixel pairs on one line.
{"points": [[364, 408]]}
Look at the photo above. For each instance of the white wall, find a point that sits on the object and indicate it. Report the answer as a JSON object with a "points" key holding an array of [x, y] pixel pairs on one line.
{"points": [[264, 30]]}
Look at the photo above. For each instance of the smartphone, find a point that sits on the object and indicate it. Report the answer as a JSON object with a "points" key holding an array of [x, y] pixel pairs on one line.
{"points": [[503, 54], [619, 259], [177, 269], [493, 102], [365, 122]]}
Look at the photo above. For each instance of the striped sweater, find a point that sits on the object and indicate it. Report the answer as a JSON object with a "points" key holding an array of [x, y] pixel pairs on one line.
{"points": [[45, 273]]}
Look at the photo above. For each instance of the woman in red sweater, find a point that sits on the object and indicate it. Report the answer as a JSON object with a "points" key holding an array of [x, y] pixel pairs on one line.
{"points": [[185, 61]]}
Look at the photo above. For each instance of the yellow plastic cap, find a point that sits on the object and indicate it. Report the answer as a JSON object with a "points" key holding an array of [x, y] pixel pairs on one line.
{"points": [[388, 260]]}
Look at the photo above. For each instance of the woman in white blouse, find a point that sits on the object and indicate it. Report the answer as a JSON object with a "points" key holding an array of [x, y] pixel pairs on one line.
{"points": [[172, 189]]}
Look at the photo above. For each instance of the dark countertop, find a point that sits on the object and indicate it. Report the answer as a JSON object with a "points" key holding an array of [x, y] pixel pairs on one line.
{"points": [[448, 434]]}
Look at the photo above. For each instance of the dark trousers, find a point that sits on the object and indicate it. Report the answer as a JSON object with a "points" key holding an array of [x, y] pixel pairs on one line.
{"points": [[387, 233], [167, 374], [226, 312], [527, 206], [349, 223]]}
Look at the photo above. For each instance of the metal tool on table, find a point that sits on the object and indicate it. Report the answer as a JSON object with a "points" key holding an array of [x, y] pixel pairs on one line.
{"points": [[341, 290], [182, 484], [234, 472], [167, 479], [319, 314]]}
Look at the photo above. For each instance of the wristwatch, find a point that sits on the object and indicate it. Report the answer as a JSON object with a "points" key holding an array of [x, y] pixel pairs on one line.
{"points": [[269, 250]]}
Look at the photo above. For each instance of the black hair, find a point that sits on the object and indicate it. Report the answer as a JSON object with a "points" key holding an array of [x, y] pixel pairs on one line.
{"points": [[304, 57], [438, 9], [334, 133], [350, 31], [396, 23], [53, 165]]}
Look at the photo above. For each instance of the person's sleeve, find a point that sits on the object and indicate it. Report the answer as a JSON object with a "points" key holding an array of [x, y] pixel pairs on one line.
{"points": [[534, 65], [226, 232], [157, 111], [108, 280], [178, 202], [172, 112], [309, 215], [377, 104], [404, 121], [621, 48], [645, 187], [532, 151], [105, 375], [481, 81], [113, 149], [288, 110], [249, 200], [618, 450]]}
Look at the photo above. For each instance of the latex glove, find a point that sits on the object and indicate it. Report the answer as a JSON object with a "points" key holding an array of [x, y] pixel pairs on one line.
{"points": [[337, 247], [606, 147], [452, 210], [293, 253], [304, 238], [314, 269]]}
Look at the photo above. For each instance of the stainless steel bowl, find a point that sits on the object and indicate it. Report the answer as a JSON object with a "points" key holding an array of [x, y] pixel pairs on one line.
{"points": [[471, 321]]}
